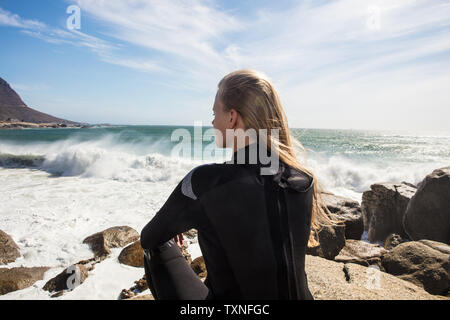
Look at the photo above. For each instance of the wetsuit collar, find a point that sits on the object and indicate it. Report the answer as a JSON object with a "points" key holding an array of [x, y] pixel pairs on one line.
{"points": [[246, 155], [286, 176]]}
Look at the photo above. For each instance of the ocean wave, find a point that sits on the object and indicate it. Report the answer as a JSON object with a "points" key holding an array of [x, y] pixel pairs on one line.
{"points": [[104, 157], [116, 165], [20, 161], [111, 156], [351, 177]]}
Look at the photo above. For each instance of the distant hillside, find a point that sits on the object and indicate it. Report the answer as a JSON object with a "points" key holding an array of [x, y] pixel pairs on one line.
{"points": [[12, 107]]}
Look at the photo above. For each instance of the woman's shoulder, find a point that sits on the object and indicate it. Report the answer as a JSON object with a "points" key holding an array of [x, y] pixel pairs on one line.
{"points": [[207, 176]]}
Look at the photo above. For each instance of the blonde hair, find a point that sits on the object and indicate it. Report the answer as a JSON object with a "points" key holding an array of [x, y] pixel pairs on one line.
{"points": [[250, 93]]}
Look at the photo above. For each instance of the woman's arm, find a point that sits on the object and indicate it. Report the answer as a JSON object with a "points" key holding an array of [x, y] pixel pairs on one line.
{"points": [[179, 214]]}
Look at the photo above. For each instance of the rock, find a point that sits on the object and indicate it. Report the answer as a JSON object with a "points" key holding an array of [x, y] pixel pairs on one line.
{"points": [[143, 297], [140, 286], [425, 263], [13, 107], [331, 239], [331, 280], [89, 263], [133, 255], [69, 279], [199, 267], [392, 241], [9, 250], [191, 234], [114, 237], [58, 294], [409, 184], [442, 247], [185, 252], [126, 294], [383, 208], [347, 210], [428, 213], [361, 252], [19, 278]]}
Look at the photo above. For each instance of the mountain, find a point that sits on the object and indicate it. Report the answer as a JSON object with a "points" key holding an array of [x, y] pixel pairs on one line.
{"points": [[13, 107]]}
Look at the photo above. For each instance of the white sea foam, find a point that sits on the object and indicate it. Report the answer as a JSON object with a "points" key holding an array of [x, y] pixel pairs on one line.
{"points": [[101, 158], [350, 178], [49, 218], [83, 187]]}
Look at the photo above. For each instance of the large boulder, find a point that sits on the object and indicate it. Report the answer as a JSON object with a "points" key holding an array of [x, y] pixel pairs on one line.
{"points": [[427, 215], [347, 210], [331, 241], [331, 280], [383, 208], [425, 263], [69, 279], [9, 250], [361, 252], [133, 255], [113, 237], [19, 278]]}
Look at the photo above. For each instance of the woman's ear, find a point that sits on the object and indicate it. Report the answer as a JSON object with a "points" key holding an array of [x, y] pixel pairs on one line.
{"points": [[233, 118]]}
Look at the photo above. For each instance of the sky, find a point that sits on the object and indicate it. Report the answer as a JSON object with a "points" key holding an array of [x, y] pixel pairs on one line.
{"points": [[344, 64]]}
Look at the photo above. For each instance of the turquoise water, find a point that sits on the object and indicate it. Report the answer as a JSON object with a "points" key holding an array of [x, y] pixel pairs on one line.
{"points": [[356, 144], [347, 161]]}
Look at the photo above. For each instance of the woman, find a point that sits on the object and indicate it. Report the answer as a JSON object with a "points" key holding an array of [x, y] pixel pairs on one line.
{"points": [[253, 228]]}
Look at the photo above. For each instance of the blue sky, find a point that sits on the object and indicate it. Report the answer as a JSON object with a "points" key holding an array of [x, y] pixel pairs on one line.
{"points": [[336, 64]]}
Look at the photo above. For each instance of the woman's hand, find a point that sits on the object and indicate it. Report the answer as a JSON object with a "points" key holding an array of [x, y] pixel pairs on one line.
{"points": [[179, 240]]}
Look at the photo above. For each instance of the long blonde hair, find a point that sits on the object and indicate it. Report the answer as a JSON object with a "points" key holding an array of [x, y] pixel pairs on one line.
{"points": [[251, 94]]}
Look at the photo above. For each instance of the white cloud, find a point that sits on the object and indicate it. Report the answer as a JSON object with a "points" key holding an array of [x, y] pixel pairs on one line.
{"points": [[188, 33], [139, 65], [49, 34], [322, 57], [204, 42], [13, 20]]}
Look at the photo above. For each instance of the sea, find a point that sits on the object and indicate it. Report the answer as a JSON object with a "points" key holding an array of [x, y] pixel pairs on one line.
{"points": [[59, 186]]}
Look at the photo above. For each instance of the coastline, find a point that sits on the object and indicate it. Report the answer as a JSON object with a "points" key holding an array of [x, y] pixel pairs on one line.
{"points": [[5, 125], [23, 125]]}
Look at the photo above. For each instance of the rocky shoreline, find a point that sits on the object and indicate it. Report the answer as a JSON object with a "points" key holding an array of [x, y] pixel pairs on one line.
{"points": [[408, 256], [23, 125]]}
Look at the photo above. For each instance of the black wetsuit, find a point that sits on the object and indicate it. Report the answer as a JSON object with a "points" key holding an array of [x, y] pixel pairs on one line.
{"points": [[253, 231]]}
